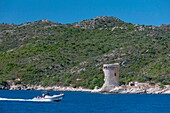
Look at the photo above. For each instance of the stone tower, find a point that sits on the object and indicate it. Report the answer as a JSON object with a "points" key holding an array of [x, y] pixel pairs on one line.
{"points": [[111, 76]]}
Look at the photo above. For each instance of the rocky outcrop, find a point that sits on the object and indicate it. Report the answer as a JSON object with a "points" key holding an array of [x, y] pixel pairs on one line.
{"points": [[4, 86], [54, 88], [18, 87], [165, 26], [101, 22], [139, 88]]}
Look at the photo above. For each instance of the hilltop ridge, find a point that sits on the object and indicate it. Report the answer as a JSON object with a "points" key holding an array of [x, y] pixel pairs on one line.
{"points": [[101, 22]]}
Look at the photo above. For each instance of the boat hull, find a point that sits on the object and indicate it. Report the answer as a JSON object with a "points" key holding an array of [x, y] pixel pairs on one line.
{"points": [[54, 98]]}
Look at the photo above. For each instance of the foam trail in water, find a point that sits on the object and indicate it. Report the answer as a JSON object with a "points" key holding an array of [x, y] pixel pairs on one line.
{"points": [[25, 100], [10, 99]]}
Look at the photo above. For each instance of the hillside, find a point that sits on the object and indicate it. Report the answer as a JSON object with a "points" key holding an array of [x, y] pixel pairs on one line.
{"points": [[47, 53]]}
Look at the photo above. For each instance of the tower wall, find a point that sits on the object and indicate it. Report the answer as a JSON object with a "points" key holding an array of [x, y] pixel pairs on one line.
{"points": [[111, 76]]}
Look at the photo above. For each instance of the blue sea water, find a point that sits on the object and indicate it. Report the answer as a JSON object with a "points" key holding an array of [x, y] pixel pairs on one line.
{"points": [[83, 102]]}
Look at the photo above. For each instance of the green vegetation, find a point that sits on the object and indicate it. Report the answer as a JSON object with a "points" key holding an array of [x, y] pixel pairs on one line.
{"points": [[46, 53]]}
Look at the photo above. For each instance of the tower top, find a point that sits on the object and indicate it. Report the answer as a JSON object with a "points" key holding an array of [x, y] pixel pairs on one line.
{"points": [[105, 66]]}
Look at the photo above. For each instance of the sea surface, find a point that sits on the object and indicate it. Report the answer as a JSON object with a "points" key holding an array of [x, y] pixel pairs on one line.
{"points": [[84, 102]]}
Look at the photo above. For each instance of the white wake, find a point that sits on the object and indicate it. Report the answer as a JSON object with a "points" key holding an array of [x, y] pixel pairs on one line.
{"points": [[24, 100]]}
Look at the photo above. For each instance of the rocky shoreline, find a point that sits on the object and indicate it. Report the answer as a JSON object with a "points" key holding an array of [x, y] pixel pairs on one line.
{"points": [[139, 88], [52, 88], [136, 88]]}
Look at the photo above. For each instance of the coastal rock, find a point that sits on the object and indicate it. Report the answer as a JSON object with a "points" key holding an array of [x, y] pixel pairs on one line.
{"points": [[127, 90], [166, 92], [4, 87], [18, 87], [138, 88], [56, 88], [1, 87], [137, 91], [118, 90]]}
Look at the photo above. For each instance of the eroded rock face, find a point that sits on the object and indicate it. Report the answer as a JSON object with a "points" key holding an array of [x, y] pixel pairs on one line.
{"points": [[111, 73]]}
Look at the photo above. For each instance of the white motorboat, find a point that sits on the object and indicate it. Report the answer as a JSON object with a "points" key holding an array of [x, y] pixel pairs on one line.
{"points": [[48, 98]]}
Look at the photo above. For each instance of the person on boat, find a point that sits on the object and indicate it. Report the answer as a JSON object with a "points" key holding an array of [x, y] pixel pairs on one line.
{"points": [[43, 95]]}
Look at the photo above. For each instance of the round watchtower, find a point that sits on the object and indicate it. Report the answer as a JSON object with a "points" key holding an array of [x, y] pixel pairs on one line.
{"points": [[111, 76]]}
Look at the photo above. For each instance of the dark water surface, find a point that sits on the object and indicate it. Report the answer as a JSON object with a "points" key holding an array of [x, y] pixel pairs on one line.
{"points": [[83, 102]]}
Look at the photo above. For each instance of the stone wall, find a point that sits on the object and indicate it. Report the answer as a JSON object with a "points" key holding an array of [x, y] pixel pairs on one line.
{"points": [[111, 76]]}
